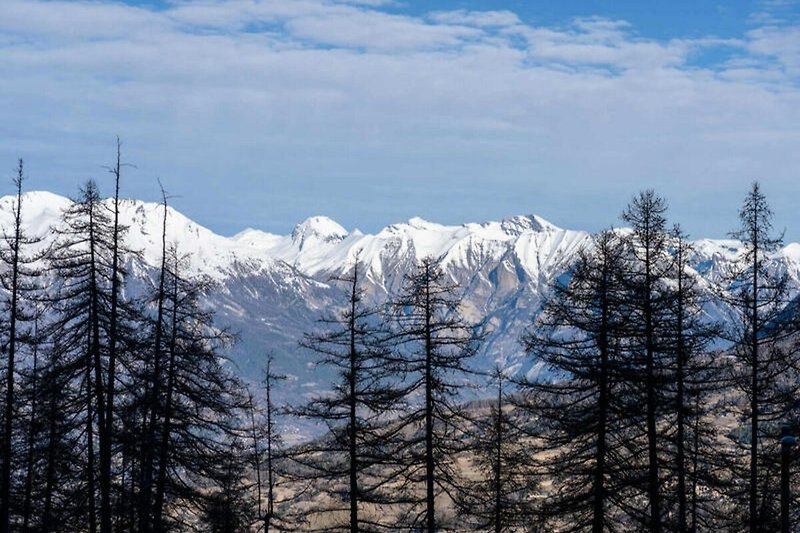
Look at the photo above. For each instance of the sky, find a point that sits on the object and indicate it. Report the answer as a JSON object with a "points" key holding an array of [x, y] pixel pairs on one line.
{"points": [[261, 113]]}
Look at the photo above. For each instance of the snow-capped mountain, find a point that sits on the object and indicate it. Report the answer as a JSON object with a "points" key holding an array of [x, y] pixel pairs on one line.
{"points": [[273, 288]]}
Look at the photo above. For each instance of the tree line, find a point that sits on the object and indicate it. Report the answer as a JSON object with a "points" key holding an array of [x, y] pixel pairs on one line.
{"points": [[639, 411]]}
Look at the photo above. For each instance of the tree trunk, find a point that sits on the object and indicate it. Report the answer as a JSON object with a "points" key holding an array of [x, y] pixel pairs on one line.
{"points": [[652, 436], [498, 465], [8, 415], [599, 490], [754, 397], [352, 425], [91, 491], [108, 429], [430, 513], [152, 394], [679, 401], [158, 513], [30, 455], [270, 477]]}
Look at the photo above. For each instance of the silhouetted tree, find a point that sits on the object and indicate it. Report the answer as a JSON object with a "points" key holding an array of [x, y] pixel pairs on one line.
{"points": [[229, 507], [106, 433], [766, 373], [579, 427], [150, 381], [33, 425], [694, 380], [63, 505], [200, 401], [18, 280], [435, 343], [647, 266], [500, 498], [267, 450], [80, 260], [352, 462]]}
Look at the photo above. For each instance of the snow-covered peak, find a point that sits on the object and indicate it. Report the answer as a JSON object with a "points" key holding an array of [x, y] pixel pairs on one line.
{"points": [[728, 249], [523, 223], [45, 200], [318, 228], [791, 252], [41, 209], [421, 223], [255, 238]]}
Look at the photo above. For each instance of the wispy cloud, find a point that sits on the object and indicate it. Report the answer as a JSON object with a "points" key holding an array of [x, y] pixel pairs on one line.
{"points": [[476, 18]]}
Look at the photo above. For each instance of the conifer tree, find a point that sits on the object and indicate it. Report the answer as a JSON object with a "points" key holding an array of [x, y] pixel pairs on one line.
{"points": [[500, 498], [17, 278], [435, 344], [88, 311], [229, 507], [267, 451], [150, 380], [63, 505], [106, 433], [34, 427], [80, 260], [695, 378], [353, 461], [647, 266], [199, 404], [574, 404], [767, 362]]}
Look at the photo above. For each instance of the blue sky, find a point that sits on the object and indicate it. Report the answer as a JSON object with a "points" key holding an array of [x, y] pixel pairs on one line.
{"points": [[658, 18], [260, 113]]}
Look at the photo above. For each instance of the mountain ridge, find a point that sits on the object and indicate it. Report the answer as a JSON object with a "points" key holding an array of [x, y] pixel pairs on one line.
{"points": [[272, 288]]}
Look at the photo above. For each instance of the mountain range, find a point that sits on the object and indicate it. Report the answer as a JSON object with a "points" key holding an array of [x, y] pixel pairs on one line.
{"points": [[270, 289]]}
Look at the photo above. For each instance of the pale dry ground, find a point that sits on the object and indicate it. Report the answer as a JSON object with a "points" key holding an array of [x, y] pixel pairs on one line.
{"points": [[447, 515], [725, 420]]}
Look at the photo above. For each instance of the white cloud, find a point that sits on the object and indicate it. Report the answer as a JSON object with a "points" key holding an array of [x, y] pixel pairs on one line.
{"points": [[62, 22], [476, 18], [602, 42], [378, 31], [780, 43], [371, 3], [302, 103]]}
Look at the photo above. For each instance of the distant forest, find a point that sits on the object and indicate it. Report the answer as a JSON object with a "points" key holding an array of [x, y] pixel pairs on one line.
{"points": [[120, 413]]}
